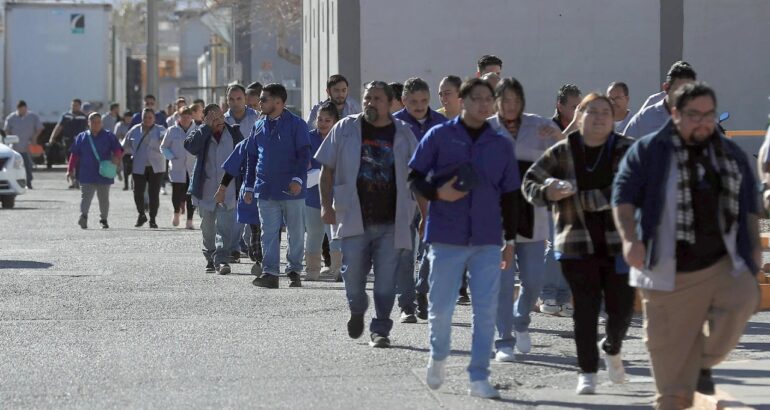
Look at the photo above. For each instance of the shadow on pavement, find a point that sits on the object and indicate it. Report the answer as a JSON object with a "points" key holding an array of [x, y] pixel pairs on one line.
{"points": [[6, 264]]}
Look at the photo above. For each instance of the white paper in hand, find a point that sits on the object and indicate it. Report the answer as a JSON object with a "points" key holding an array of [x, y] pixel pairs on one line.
{"points": [[313, 176]]}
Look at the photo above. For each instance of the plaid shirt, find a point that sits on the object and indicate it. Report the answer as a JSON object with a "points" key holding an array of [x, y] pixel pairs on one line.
{"points": [[572, 238]]}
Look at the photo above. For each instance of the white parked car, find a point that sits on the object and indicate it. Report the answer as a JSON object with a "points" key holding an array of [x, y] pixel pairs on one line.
{"points": [[13, 177]]}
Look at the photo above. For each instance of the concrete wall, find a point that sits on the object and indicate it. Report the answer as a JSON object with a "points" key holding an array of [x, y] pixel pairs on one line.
{"points": [[545, 44], [729, 45]]}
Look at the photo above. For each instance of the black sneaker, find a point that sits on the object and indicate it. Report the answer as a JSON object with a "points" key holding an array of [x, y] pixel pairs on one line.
{"points": [[141, 220], [408, 316], [235, 257], [223, 269], [422, 306], [705, 383], [356, 325], [379, 341], [83, 222], [256, 269], [210, 267], [153, 225], [266, 280], [464, 299], [104, 224], [295, 281]]}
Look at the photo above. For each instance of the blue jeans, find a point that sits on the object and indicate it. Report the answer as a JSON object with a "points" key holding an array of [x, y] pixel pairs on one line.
{"points": [[448, 264], [421, 286], [515, 316], [359, 253], [554, 285], [406, 282], [217, 229], [27, 165], [273, 214]]}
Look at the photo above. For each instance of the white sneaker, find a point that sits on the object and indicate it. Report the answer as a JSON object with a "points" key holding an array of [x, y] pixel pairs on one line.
{"points": [[614, 363], [566, 310], [549, 307], [435, 373], [483, 389], [523, 342], [505, 354], [586, 383]]}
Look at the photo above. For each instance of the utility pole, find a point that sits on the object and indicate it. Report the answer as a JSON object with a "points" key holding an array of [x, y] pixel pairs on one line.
{"points": [[152, 47]]}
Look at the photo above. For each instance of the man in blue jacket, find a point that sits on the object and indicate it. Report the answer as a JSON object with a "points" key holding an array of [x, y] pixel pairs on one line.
{"points": [[692, 194], [277, 178], [468, 174]]}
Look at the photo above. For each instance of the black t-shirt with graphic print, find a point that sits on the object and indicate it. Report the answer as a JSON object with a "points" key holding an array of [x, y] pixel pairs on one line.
{"points": [[376, 181]]}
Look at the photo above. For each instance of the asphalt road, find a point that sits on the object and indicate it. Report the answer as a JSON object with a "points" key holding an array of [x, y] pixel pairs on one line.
{"points": [[127, 318]]}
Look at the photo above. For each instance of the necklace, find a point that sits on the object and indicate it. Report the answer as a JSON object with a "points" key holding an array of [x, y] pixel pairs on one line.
{"points": [[598, 158]]}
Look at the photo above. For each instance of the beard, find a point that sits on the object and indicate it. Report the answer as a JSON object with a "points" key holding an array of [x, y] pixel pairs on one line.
{"points": [[371, 115]]}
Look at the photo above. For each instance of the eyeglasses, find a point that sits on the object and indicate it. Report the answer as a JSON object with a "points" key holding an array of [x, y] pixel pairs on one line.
{"points": [[697, 116]]}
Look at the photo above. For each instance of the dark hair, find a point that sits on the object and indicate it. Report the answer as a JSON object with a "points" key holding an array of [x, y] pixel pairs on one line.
{"points": [[127, 114], [469, 85], [146, 110], [114, 105], [691, 91], [619, 84], [336, 79], [588, 99], [681, 70], [199, 101], [454, 80], [382, 85], [513, 85], [150, 96], [77, 100], [232, 87], [331, 109], [276, 90], [397, 88], [209, 108], [415, 84], [21, 103], [487, 60], [566, 91], [254, 88]]}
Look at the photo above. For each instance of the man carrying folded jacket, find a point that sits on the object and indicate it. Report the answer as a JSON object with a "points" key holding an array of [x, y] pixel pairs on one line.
{"points": [[466, 179]]}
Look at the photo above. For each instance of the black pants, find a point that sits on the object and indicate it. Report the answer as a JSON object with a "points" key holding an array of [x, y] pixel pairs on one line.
{"points": [[590, 278], [180, 198], [255, 244], [151, 180], [128, 164]]}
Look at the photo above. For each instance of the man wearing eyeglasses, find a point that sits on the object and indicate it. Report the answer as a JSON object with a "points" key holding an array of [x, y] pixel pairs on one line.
{"points": [[617, 92], [468, 174], [691, 192], [655, 116], [364, 194], [276, 177]]}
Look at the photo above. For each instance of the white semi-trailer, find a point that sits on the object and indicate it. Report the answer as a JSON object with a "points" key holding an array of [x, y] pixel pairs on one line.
{"points": [[55, 52]]}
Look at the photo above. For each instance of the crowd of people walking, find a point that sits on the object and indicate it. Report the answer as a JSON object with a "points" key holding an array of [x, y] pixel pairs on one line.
{"points": [[451, 206]]}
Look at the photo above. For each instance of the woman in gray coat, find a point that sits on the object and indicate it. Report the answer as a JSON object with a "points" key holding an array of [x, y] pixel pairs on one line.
{"points": [[181, 165]]}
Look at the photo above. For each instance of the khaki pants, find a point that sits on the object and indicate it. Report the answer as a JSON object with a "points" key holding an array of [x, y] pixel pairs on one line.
{"points": [[695, 327]]}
